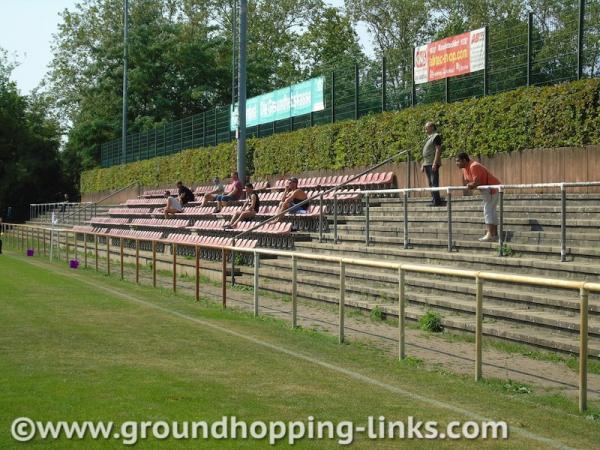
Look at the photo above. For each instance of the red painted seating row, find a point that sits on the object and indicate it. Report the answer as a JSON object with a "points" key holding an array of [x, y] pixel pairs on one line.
{"points": [[129, 211], [278, 228], [370, 180], [215, 241], [110, 220], [160, 223]]}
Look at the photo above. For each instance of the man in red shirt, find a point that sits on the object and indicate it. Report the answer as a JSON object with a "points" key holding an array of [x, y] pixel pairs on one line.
{"points": [[233, 192], [475, 175]]}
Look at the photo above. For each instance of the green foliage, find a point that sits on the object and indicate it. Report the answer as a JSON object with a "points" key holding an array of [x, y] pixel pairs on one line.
{"points": [[535, 117], [30, 163], [192, 166], [377, 314], [431, 321]]}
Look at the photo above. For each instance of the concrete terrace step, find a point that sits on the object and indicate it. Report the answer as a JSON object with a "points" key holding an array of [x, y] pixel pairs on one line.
{"points": [[370, 284], [542, 250], [482, 260], [542, 337], [562, 320], [441, 230]]}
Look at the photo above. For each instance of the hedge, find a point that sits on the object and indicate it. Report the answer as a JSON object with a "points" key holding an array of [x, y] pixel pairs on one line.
{"points": [[532, 117]]}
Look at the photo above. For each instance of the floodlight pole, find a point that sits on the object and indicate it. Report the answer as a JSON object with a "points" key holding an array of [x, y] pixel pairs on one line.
{"points": [[241, 131], [124, 128]]}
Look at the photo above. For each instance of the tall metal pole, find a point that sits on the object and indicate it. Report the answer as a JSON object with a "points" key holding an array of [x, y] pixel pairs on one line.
{"points": [[580, 39], [241, 145], [124, 128]]}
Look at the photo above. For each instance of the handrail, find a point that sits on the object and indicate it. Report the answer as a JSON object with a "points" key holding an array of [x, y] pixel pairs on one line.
{"points": [[136, 182], [321, 195], [501, 189]]}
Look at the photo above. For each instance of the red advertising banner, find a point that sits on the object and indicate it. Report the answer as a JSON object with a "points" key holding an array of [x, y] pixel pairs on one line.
{"points": [[449, 57]]}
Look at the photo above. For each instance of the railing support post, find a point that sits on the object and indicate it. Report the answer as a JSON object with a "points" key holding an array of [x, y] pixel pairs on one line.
{"points": [[401, 315], [154, 263], [95, 250], [342, 300], [121, 250], [137, 261], [197, 290], [563, 224], [583, 348], [321, 218], [294, 292], [367, 221], [85, 249], [449, 206], [501, 224], [478, 326], [107, 254], [174, 250], [256, 270], [335, 218], [405, 218], [224, 278]]}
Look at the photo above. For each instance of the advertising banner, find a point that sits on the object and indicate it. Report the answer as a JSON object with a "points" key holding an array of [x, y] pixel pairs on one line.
{"points": [[449, 57], [295, 100]]}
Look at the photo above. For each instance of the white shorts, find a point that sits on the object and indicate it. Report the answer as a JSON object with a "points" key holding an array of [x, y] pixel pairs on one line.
{"points": [[490, 202]]}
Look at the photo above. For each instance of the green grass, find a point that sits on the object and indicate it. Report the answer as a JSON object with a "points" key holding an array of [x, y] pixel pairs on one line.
{"points": [[71, 350]]}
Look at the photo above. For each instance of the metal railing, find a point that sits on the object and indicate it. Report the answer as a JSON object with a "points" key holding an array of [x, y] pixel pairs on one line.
{"points": [[20, 237], [44, 212], [449, 189], [80, 212], [538, 50]]}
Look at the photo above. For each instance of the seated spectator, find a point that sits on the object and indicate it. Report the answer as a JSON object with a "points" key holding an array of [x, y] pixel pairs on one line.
{"points": [[218, 190], [475, 175], [249, 208], [233, 192], [293, 197], [185, 194], [172, 207]]}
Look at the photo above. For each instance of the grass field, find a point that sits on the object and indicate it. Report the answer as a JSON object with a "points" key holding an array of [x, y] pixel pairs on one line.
{"points": [[76, 345]]}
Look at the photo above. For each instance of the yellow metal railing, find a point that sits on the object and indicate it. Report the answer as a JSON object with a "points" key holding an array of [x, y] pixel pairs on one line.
{"points": [[19, 237]]}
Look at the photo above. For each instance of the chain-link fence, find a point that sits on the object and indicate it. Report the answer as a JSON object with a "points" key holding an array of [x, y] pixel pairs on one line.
{"points": [[538, 51]]}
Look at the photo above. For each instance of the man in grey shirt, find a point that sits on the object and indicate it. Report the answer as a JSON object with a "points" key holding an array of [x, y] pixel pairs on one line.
{"points": [[432, 160]]}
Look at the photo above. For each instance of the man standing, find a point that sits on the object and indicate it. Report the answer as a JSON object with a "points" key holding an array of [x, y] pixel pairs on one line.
{"points": [[475, 175], [432, 160]]}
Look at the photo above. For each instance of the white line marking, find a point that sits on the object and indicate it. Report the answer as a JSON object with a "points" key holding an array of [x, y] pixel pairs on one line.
{"points": [[551, 442]]}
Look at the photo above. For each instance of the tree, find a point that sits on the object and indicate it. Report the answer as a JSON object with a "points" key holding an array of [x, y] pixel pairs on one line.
{"points": [[30, 167], [330, 42]]}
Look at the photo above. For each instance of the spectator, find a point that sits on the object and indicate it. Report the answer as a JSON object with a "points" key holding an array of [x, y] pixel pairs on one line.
{"points": [[218, 190], [432, 160], [172, 207], [65, 202], [249, 208], [1, 235], [475, 175], [233, 192], [185, 194], [293, 196]]}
